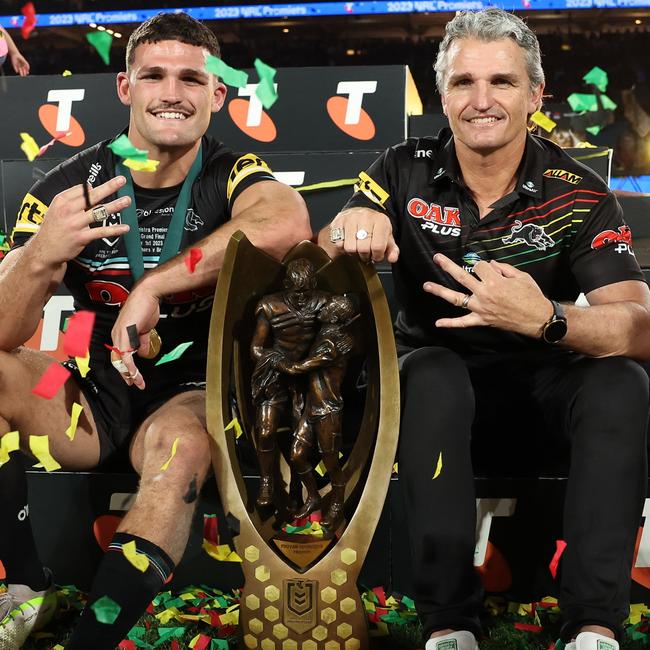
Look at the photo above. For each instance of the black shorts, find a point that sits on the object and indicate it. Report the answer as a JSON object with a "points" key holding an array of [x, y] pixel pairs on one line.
{"points": [[118, 409]]}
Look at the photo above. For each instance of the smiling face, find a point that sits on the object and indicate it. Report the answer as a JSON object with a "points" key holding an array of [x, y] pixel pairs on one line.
{"points": [[487, 95], [171, 96]]}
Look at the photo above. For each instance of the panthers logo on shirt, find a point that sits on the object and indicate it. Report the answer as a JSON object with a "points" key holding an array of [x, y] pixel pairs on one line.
{"points": [[30, 215], [244, 167]]}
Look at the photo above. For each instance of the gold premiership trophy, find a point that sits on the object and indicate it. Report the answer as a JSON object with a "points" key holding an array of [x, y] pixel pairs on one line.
{"points": [[287, 343]]}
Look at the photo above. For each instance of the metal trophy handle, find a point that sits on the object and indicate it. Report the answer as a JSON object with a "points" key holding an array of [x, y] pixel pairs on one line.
{"points": [[300, 591]]}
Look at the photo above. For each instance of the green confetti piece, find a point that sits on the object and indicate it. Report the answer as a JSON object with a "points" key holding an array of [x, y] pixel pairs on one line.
{"points": [[167, 633], [597, 77], [136, 632], [176, 602], [174, 354], [219, 644], [106, 610], [102, 42], [408, 602], [594, 130], [587, 102], [265, 89], [64, 329], [229, 76], [2, 238], [123, 148]]}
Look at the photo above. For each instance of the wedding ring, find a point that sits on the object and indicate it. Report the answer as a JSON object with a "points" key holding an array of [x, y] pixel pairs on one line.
{"points": [[100, 213], [465, 301], [154, 345], [337, 234], [134, 376], [362, 234]]}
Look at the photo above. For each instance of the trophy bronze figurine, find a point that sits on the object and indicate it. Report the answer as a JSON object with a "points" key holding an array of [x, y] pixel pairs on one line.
{"points": [[288, 344]]}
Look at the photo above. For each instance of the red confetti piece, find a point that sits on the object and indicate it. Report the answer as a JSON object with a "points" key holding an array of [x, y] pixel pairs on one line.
{"points": [[30, 20], [381, 595], [58, 136], [51, 381], [203, 642], [561, 545], [315, 516], [127, 644], [150, 609], [211, 529], [191, 260], [528, 627], [215, 620], [76, 340], [175, 645]]}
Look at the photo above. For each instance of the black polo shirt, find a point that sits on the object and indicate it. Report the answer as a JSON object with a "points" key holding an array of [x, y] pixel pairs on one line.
{"points": [[561, 224]]}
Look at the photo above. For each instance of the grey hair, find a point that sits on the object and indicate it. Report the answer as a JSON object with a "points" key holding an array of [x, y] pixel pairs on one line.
{"points": [[490, 25]]}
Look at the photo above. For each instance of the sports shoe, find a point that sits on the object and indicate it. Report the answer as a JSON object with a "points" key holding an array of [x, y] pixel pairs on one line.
{"points": [[461, 640], [592, 641], [23, 611]]}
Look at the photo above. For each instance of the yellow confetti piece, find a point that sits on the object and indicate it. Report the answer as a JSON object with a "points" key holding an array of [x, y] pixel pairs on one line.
{"points": [[636, 612], [395, 468], [138, 560], [29, 146], [525, 609], [83, 363], [166, 465], [231, 618], [8, 443], [234, 424], [543, 120], [320, 468], [194, 618], [142, 165], [187, 596], [74, 420], [58, 646], [167, 615], [194, 641], [66, 73], [222, 552], [436, 474], [40, 447]]}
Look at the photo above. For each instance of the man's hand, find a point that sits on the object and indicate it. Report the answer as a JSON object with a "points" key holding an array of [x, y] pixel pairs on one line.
{"points": [[141, 309], [19, 64], [377, 244], [66, 230], [499, 296]]}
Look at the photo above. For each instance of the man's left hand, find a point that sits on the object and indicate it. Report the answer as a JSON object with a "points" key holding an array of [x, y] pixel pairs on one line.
{"points": [[141, 309], [499, 296]]}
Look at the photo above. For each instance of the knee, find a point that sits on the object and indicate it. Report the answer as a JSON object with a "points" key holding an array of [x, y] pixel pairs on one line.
{"points": [[437, 378]]}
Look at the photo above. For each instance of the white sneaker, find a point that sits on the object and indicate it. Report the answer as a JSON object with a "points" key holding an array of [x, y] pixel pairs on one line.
{"points": [[592, 641], [461, 640], [23, 611]]}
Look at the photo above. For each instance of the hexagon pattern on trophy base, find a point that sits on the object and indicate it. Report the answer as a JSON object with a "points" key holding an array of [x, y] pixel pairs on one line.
{"points": [[271, 593], [352, 644], [252, 553], [250, 641], [348, 605], [262, 573], [268, 644], [271, 613], [332, 645], [344, 630], [339, 576], [289, 644], [319, 633], [252, 601], [348, 556], [328, 615], [255, 626], [328, 594], [309, 645]]}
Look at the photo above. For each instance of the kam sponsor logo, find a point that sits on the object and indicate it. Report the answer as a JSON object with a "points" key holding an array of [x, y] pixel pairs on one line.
{"points": [[563, 175]]}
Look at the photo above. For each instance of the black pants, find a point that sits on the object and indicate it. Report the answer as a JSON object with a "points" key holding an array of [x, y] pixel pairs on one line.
{"points": [[596, 408]]}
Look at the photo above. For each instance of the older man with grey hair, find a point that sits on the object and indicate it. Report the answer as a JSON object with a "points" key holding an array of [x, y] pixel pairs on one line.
{"points": [[492, 233]]}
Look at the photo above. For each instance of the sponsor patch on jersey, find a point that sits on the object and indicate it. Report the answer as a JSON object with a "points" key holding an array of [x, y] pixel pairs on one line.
{"points": [[622, 236], [563, 175], [30, 215], [244, 167], [370, 188]]}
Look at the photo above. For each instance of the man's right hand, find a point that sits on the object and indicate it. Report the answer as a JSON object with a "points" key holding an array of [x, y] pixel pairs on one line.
{"points": [[379, 243], [66, 230]]}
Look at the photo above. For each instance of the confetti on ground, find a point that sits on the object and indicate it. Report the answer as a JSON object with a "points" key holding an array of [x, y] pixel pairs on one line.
{"points": [[51, 381], [436, 474], [106, 610], [74, 420], [265, 88], [76, 341], [8, 443], [165, 465], [40, 447], [138, 560], [193, 258], [220, 552], [176, 353], [229, 76], [102, 42]]}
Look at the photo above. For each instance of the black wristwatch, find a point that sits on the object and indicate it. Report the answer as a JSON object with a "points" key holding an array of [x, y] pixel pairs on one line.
{"points": [[554, 330]]}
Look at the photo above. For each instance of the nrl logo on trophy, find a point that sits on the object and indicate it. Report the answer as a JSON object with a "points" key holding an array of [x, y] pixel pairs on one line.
{"points": [[302, 356]]}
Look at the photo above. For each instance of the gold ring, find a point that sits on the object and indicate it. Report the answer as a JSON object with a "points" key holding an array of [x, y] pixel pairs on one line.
{"points": [[154, 345], [465, 302], [337, 234], [100, 213]]}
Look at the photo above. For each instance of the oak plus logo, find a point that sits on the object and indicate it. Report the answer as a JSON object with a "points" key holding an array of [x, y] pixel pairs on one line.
{"points": [[250, 117], [57, 117], [348, 113]]}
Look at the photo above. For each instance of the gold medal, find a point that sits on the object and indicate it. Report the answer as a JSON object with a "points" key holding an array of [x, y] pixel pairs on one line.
{"points": [[154, 345]]}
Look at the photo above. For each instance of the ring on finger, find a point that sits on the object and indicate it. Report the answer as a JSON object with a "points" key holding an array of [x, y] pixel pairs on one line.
{"points": [[362, 234], [465, 302], [100, 213], [135, 375], [337, 234]]}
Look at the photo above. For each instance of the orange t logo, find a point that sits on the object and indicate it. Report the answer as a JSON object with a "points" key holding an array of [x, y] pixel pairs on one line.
{"points": [[250, 116], [348, 114], [58, 119]]}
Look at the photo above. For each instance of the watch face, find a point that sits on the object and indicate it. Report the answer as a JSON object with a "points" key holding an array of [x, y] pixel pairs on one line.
{"points": [[555, 331]]}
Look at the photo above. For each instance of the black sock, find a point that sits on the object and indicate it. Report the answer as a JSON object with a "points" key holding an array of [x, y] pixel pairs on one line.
{"points": [[17, 548], [129, 587]]}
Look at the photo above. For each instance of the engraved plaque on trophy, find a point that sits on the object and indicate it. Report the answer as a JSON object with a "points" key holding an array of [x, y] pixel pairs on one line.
{"points": [[290, 344]]}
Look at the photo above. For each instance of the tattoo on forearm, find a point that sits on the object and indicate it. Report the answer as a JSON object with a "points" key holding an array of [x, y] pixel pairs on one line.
{"points": [[192, 492]]}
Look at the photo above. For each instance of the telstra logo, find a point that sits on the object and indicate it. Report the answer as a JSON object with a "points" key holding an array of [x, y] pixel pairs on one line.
{"points": [[347, 112], [250, 117], [58, 118]]}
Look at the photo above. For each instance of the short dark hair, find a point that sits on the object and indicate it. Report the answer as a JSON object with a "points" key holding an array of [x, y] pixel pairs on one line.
{"points": [[300, 271], [172, 27]]}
